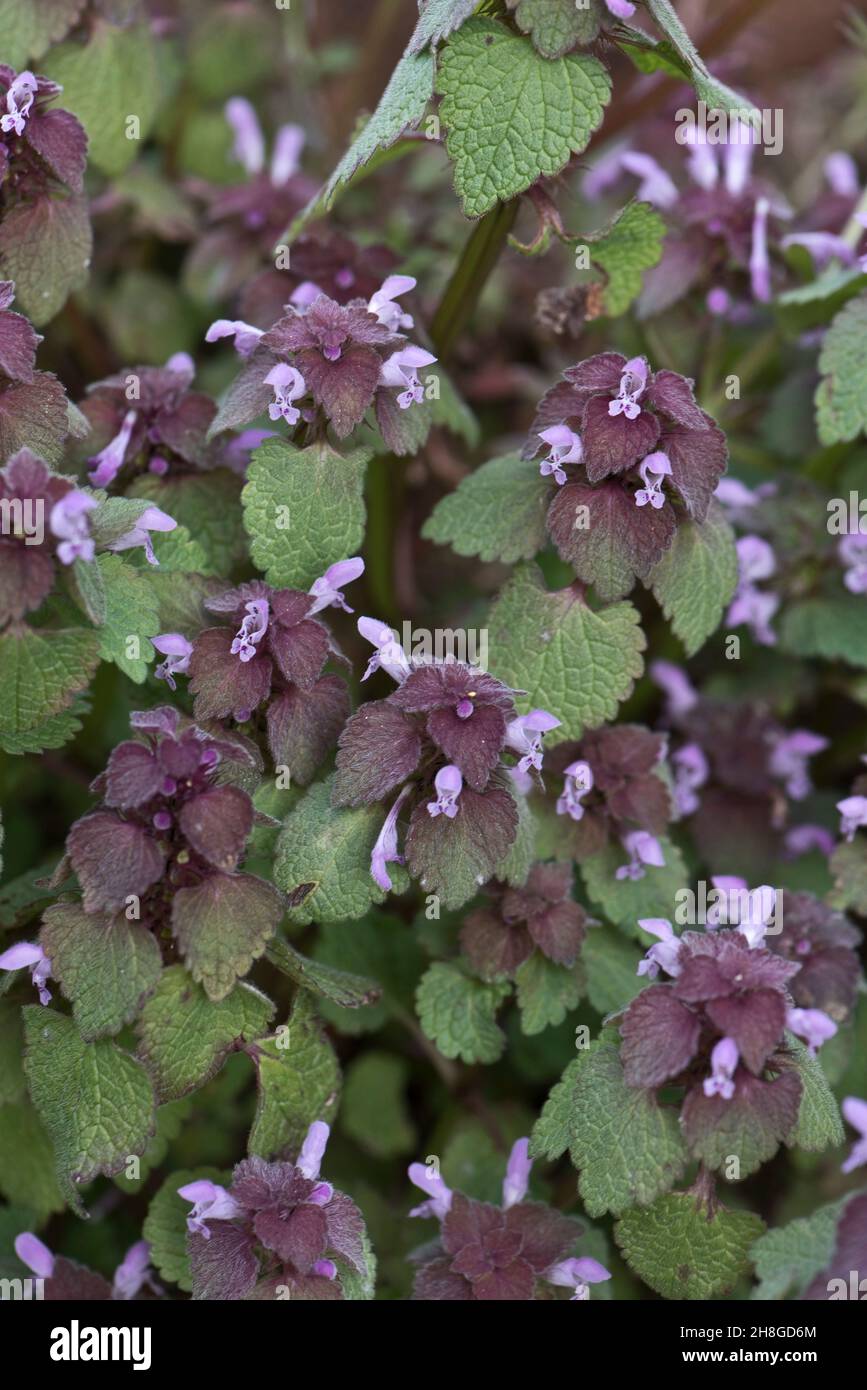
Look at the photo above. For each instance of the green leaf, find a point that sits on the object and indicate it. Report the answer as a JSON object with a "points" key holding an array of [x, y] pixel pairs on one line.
{"points": [[170, 1120], [27, 1175], [374, 1111], [628, 1148], [512, 116], [40, 673], [552, 1132], [788, 1259], [113, 517], [113, 77], [623, 901], [298, 1079], [401, 107], [546, 992], [631, 245], [29, 27], [184, 1036], [95, 1101], [329, 850], [458, 1013], [52, 733], [841, 397], [165, 1226], [208, 505], [555, 26], [346, 990], [106, 966], [518, 862], [497, 512], [303, 509], [222, 925], [437, 20], [13, 1086], [683, 1250], [819, 1124], [89, 590], [575, 662], [716, 94], [696, 577], [132, 617], [611, 964], [830, 628], [849, 866], [45, 247], [381, 947]]}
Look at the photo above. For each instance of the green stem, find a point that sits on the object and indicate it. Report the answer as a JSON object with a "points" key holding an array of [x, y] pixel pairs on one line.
{"points": [[385, 487], [747, 369], [478, 258]]}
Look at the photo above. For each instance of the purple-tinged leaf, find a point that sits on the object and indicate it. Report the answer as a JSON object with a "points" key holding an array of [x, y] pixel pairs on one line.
{"points": [[223, 925], [224, 1266], [217, 823], [673, 395], [378, 749], [606, 538], [303, 725], [755, 1020], [300, 651], [113, 859], [614, 443], [221, 682], [698, 460], [474, 743], [132, 776], [660, 1037]]}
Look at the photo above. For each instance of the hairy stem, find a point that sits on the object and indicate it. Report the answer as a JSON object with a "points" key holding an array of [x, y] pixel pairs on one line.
{"points": [[478, 258]]}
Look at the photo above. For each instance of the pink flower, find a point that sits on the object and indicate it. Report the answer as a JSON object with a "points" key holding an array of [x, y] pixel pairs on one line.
{"points": [[68, 522], [389, 654], [578, 781], [566, 447], [34, 1254], [289, 385], [855, 1112], [385, 850], [724, 1061], [29, 955], [382, 305], [632, 383], [109, 461], [675, 684], [517, 1177], [578, 1273], [653, 470], [252, 629], [664, 955], [439, 1196], [448, 783], [326, 591], [853, 812], [177, 652], [814, 1026], [401, 369], [210, 1203], [245, 335], [691, 771], [151, 519], [19, 100], [524, 735], [644, 850]]}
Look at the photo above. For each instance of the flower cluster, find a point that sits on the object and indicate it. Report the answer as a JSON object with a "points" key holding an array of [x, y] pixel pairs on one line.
{"points": [[337, 359], [440, 737], [164, 846], [510, 1253], [276, 1232], [631, 454], [717, 1029], [147, 420], [499, 937], [272, 648], [613, 789]]}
